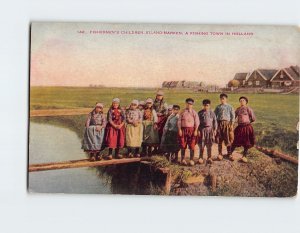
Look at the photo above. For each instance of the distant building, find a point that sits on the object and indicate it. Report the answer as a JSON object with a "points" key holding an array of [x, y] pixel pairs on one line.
{"points": [[269, 78], [241, 77], [197, 86], [181, 84], [286, 77], [260, 78]]}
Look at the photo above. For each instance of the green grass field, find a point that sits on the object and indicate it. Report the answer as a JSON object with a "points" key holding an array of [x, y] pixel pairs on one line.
{"points": [[277, 115]]}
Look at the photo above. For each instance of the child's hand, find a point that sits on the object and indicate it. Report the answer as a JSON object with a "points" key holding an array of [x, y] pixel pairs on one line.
{"points": [[98, 128], [155, 126], [180, 132], [195, 133]]}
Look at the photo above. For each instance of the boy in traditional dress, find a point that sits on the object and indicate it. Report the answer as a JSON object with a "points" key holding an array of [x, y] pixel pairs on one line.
{"points": [[150, 131], [94, 132], [243, 133], [207, 131], [134, 129], [160, 106], [225, 117], [188, 124], [115, 129], [169, 142]]}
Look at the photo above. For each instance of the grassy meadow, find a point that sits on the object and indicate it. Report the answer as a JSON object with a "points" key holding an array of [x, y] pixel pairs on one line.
{"points": [[277, 115]]}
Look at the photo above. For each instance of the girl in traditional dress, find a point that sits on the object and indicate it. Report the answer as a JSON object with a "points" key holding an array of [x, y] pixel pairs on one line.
{"points": [[169, 143], [244, 133], [150, 133], [115, 129], [207, 131], [94, 132], [134, 129]]}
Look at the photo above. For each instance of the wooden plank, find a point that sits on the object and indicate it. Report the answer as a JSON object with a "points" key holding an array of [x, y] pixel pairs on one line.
{"points": [[277, 154], [168, 182], [213, 181], [79, 163]]}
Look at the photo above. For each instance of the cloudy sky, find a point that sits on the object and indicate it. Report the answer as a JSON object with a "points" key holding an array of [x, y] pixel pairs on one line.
{"points": [[80, 54]]}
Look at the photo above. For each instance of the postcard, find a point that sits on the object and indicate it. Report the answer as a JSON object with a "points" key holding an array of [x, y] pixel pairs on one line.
{"points": [[164, 109]]}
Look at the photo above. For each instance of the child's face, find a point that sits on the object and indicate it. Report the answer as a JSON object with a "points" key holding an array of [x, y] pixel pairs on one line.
{"points": [[175, 110], [189, 105], [159, 97], [169, 111], [243, 102], [206, 106], [141, 107], [149, 105], [223, 100], [133, 106], [98, 109], [115, 104]]}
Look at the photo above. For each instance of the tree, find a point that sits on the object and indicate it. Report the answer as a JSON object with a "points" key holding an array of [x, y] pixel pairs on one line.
{"points": [[233, 83]]}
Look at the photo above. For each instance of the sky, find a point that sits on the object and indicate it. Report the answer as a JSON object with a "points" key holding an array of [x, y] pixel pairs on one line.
{"points": [[145, 55]]}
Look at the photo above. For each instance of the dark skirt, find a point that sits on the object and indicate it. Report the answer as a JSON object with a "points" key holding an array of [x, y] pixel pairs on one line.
{"points": [[150, 135], [244, 136], [114, 138], [161, 121], [169, 142], [187, 138]]}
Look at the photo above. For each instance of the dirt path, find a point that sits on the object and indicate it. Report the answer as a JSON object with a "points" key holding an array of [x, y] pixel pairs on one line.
{"points": [[261, 176]]}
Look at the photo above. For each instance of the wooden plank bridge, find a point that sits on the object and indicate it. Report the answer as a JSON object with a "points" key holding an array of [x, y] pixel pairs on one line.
{"points": [[87, 163], [80, 163]]}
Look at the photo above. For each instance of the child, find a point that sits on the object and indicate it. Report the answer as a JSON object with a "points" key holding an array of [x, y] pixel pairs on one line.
{"points": [[133, 129], [170, 110], [243, 133], [160, 106], [141, 105], [94, 132], [115, 129], [150, 133], [207, 130], [188, 124], [225, 117], [169, 142]]}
